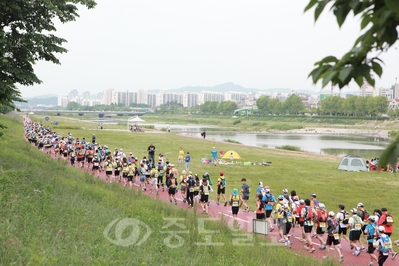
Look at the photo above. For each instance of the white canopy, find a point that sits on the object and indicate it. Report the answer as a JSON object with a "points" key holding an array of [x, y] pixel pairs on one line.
{"points": [[134, 120]]}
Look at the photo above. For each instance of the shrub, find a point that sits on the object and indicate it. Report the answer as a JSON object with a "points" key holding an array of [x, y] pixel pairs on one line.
{"points": [[236, 122], [232, 141], [289, 148]]}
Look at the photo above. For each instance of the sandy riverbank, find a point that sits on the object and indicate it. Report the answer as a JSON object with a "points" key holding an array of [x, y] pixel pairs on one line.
{"points": [[341, 131]]}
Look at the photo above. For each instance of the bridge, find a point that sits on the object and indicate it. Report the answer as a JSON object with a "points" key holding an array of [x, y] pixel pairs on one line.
{"points": [[247, 111], [81, 113]]}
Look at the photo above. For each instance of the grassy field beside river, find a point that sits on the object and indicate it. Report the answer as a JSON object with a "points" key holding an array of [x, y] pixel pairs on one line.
{"points": [[64, 222]]}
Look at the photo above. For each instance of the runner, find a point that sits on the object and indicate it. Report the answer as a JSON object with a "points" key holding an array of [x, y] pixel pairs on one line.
{"points": [[235, 202], [384, 245], [172, 188], [308, 214], [222, 188], [321, 224], [72, 155], [386, 220], [142, 172], [109, 165], [80, 157], [343, 218], [96, 165], [287, 224], [183, 185], [260, 208], [269, 201], [190, 190], [333, 236], [279, 214], [371, 234], [161, 171], [245, 194], [131, 169], [154, 179], [364, 215], [117, 170], [204, 191], [355, 224], [125, 170], [196, 189]]}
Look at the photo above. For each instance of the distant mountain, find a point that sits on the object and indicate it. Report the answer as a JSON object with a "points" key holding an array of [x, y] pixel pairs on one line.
{"points": [[42, 96], [34, 102]]}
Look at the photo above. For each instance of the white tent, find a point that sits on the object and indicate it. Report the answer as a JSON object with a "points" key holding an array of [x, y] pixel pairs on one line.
{"points": [[133, 121], [352, 162]]}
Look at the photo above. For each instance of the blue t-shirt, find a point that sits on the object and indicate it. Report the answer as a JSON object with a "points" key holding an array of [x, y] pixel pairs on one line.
{"points": [[214, 153], [187, 158], [268, 198], [370, 232], [259, 190], [245, 189]]}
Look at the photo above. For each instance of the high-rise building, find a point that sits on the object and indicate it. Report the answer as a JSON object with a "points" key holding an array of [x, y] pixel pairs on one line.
{"points": [[152, 99], [213, 97], [368, 90], [86, 95], [72, 94], [110, 96], [142, 97], [190, 99]]}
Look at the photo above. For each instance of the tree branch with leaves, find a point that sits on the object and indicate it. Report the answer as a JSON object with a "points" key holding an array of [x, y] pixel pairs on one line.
{"points": [[379, 22], [26, 28]]}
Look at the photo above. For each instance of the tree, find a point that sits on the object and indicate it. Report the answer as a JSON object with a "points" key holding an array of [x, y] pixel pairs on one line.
{"points": [[348, 107], [262, 103], [380, 22], [294, 105], [73, 106], [275, 106], [26, 37]]}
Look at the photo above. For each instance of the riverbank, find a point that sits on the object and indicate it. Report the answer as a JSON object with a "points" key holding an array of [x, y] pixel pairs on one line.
{"points": [[341, 131]]}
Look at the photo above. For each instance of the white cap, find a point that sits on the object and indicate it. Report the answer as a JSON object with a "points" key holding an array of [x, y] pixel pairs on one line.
{"points": [[331, 213], [260, 184], [322, 206], [381, 228]]}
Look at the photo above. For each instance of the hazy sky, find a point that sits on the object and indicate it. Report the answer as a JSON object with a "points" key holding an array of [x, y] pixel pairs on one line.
{"points": [[154, 44]]}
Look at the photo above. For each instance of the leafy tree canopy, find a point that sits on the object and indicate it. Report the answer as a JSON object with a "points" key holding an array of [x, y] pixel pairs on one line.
{"points": [[26, 28], [379, 20]]}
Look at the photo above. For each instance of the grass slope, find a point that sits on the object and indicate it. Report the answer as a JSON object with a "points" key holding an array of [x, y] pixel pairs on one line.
{"points": [[64, 223]]}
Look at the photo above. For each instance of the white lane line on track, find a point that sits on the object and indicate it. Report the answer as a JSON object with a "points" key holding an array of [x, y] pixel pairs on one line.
{"points": [[225, 214]]}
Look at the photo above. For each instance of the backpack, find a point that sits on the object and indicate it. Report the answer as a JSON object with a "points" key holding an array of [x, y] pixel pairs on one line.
{"points": [[223, 182], [335, 228], [310, 214], [346, 217], [386, 244], [388, 220], [323, 217], [365, 215]]}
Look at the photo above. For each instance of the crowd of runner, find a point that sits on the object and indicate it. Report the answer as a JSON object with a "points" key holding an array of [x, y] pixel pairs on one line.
{"points": [[293, 216]]}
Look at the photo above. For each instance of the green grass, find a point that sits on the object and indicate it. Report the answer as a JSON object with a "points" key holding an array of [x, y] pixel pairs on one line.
{"points": [[64, 223]]}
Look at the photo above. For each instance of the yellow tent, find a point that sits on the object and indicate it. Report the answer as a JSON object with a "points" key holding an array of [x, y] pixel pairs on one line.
{"points": [[233, 154]]}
